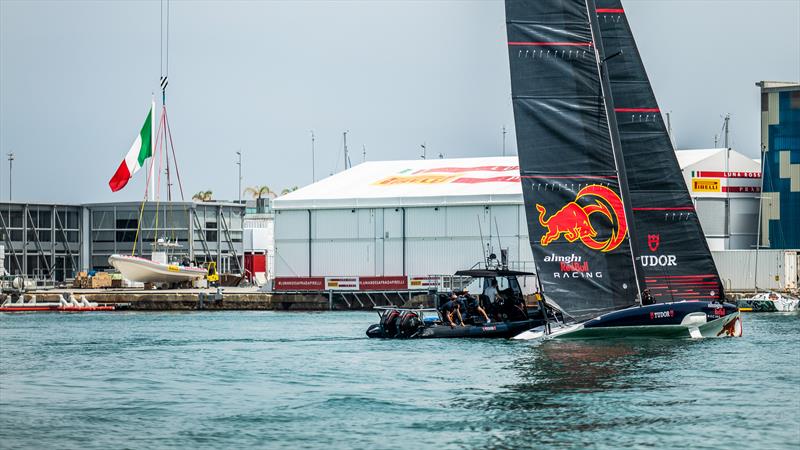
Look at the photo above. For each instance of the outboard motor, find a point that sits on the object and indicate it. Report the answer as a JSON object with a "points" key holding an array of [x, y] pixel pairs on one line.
{"points": [[408, 324], [389, 322]]}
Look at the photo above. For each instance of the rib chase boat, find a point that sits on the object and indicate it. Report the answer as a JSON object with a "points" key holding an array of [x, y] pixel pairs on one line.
{"points": [[615, 236], [509, 314]]}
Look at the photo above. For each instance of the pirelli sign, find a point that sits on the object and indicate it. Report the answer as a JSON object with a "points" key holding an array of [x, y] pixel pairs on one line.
{"points": [[706, 185]]}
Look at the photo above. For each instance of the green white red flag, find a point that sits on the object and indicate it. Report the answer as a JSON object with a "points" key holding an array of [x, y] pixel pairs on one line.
{"points": [[141, 149]]}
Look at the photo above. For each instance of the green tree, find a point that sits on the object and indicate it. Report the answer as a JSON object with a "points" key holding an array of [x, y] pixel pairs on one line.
{"points": [[203, 196], [259, 192]]}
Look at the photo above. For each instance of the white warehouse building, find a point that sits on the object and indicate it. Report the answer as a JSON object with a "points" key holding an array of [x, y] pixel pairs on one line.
{"points": [[402, 218], [434, 217]]}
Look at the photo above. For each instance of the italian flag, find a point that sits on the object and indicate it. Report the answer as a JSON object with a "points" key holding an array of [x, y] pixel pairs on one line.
{"points": [[141, 149]]}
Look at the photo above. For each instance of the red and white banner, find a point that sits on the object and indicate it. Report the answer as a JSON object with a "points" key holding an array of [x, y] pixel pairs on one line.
{"points": [[299, 284], [391, 283], [383, 283], [341, 283], [423, 282], [718, 174]]}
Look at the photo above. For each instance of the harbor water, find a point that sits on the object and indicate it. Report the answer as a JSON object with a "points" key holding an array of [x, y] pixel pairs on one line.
{"points": [[313, 380]]}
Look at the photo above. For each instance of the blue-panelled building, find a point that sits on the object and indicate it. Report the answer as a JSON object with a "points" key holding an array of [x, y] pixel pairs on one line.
{"points": [[780, 143]]}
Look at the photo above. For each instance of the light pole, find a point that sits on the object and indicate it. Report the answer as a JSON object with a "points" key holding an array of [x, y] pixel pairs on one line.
{"points": [[10, 166], [313, 159], [504, 140], [239, 163]]}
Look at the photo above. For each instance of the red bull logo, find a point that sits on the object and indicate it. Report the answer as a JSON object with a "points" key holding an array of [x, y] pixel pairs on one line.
{"points": [[573, 220]]}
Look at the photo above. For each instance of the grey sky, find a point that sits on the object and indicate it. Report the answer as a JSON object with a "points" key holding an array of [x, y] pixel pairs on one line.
{"points": [[76, 79]]}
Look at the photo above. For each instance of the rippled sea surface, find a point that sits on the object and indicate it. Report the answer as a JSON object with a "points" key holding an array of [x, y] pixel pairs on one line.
{"points": [[313, 380]]}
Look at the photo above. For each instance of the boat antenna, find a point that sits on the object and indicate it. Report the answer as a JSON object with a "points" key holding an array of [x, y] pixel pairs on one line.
{"points": [[483, 245], [499, 244]]}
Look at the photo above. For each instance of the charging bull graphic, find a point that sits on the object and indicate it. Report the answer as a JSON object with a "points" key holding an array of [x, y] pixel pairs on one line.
{"points": [[573, 220]]}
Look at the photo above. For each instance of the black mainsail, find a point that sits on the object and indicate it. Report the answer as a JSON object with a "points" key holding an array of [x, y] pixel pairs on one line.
{"points": [[593, 151], [675, 257], [570, 181]]}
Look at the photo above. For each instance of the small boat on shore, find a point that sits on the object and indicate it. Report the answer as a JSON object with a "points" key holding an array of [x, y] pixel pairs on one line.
{"points": [[144, 270], [63, 305], [158, 269]]}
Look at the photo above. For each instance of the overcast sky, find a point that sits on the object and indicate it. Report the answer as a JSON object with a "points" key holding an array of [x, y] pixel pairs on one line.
{"points": [[76, 80]]}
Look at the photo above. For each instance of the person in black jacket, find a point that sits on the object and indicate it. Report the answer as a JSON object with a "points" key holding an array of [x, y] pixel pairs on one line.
{"points": [[450, 310]]}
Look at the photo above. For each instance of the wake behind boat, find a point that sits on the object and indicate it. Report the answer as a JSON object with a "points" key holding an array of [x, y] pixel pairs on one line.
{"points": [[615, 237]]}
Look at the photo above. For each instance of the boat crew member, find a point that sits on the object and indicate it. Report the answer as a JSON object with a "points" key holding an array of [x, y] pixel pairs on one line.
{"points": [[451, 309], [647, 297], [473, 304], [491, 291]]}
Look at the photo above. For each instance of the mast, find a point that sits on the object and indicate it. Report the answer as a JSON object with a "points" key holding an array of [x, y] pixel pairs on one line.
{"points": [[616, 145], [346, 157], [152, 188], [758, 227]]}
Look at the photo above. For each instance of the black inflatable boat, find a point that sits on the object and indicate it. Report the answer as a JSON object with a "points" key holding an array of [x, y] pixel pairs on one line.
{"points": [[509, 313]]}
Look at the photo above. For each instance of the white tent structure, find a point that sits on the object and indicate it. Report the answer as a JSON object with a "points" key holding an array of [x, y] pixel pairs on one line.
{"points": [[402, 218], [436, 216]]}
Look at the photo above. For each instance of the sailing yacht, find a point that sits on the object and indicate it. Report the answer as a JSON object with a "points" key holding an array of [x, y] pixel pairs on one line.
{"points": [[615, 236]]}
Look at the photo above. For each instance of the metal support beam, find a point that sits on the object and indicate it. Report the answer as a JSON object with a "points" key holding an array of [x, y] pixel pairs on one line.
{"points": [[7, 238], [38, 243], [230, 242], [65, 241], [202, 232], [345, 300], [358, 299]]}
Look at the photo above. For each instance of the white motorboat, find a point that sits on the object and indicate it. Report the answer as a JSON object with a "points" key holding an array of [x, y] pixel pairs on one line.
{"points": [[769, 302], [152, 271]]}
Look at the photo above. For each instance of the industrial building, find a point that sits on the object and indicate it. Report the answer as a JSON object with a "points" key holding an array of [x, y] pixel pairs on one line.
{"points": [[780, 142], [52, 243], [724, 185], [422, 218]]}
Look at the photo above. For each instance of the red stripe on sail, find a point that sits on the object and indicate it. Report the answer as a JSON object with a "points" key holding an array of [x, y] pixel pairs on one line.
{"points": [[678, 208], [120, 178], [683, 276], [610, 11], [604, 177], [643, 110], [551, 44]]}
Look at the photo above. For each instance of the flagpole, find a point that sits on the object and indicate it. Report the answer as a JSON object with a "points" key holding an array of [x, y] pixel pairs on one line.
{"points": [[152, 146]]}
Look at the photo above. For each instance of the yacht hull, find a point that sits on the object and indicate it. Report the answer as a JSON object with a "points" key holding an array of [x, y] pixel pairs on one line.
{"points": [[664, 320], [147, 271]]}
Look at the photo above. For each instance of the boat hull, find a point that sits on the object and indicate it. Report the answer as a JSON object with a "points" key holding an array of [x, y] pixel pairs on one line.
{"points": [[496, 330], [762, 303], [55, 308], [663, 320], [147, 271]]}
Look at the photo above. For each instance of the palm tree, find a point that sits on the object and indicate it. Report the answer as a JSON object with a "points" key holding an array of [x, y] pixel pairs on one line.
{"points": [[260, 191], [288, 190], [203, 196]]}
